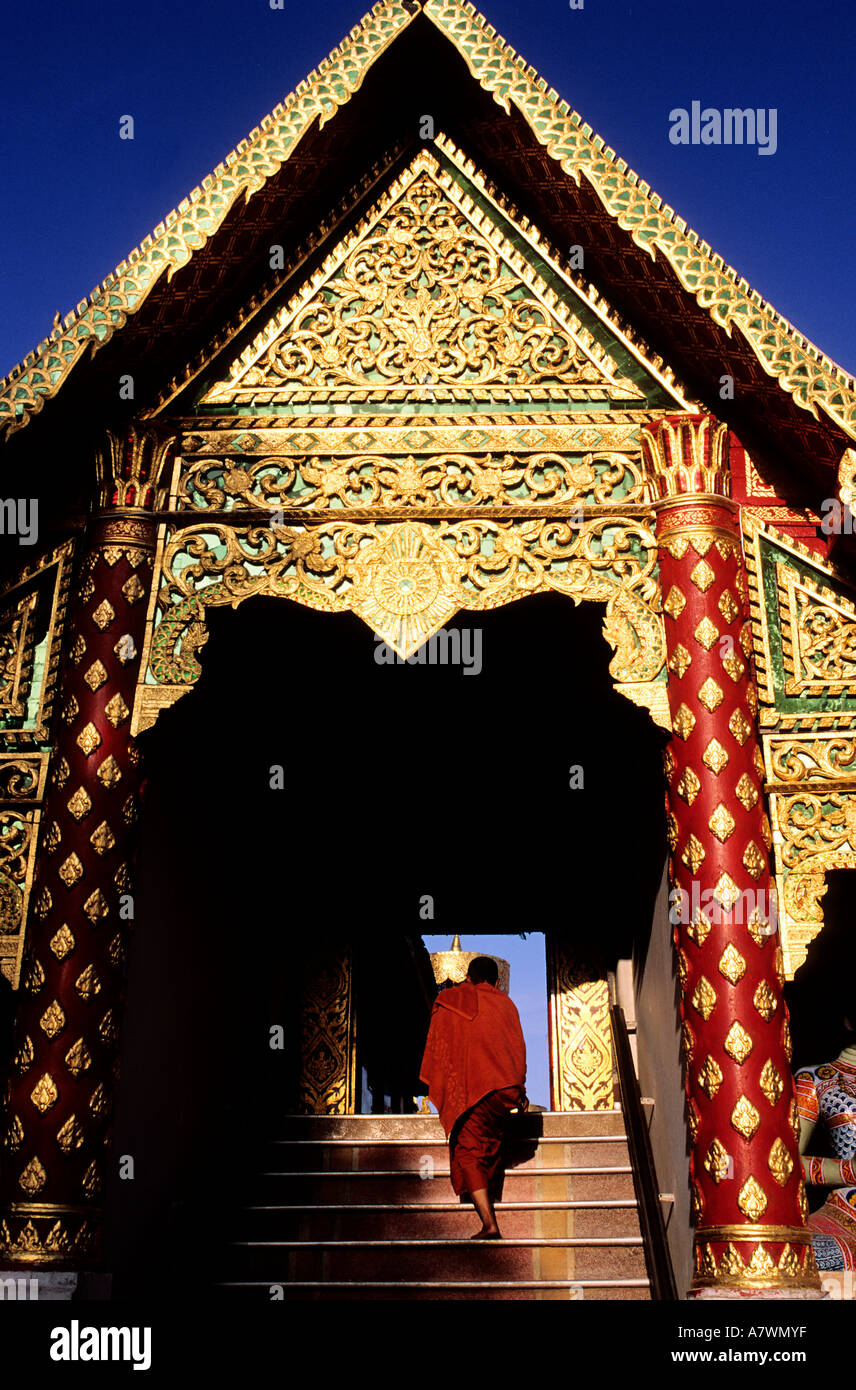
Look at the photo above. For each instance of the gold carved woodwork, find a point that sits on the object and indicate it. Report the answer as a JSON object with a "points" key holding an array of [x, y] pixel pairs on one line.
{"points": [[818, 636], [580, 1035], [32, 613], [19, 828], [804, 638], [327, 1048], [406, 580], [425, 294]]}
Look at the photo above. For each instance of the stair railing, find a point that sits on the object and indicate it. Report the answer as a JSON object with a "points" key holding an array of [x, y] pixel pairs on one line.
{"points": [[654, 1238]]}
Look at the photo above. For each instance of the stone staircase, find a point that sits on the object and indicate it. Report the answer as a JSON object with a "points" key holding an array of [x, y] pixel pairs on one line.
{"points": [[361, 1207]]}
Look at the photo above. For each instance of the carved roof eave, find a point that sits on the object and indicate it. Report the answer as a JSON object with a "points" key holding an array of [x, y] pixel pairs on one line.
{"points": [[814, 383]]}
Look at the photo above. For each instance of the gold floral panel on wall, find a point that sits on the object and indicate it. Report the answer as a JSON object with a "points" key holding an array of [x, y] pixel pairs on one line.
{"points": [[406, 580], [427, 294], [32, 610]]}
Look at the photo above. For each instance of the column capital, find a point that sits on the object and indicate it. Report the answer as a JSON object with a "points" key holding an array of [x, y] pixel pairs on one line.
{"points": [[130, 462], [688, 457]]}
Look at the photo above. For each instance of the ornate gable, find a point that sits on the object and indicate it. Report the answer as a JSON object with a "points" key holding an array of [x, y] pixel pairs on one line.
{"points": [[435, 296]]}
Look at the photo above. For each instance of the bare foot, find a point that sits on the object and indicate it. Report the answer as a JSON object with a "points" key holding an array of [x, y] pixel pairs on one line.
{"points": [[488, 1233]]}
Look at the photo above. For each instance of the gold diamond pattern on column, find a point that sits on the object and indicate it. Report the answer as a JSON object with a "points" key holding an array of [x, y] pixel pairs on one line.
{"points": [[752, 1200], [116, 711], [693, 854], [79, 804], [674, 603], [765, 1001], [688, 786], [746, 792], [780, 1163], [754, 860], [732, 966], [745, 1118], [717, 1161], [710, 695], [706, 633], [740, 726], [102, 839], [62, 942], [680, 661], [771, 1083], [44, 1094], [71, 871], [87, 983], [33, 1178], [88, 739], [728, 606], [726, 891], [52, 1020], [699, 927], [96, 676], [738, 1043], [710, 1077], [684, 722], [704, 998], [734, 666], [721, 822], [103, 615], [109, 773], [70, 1135], [95, 906], [133, 590], [702, 576], [78, 1059], [715, 757]]}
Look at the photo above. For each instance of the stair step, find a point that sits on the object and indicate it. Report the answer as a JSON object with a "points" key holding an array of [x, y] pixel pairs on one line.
{"points": [[362, 1207], [467, 1260], [365, 1221], [399, 1188], [419, 1127], [529, 1289]]}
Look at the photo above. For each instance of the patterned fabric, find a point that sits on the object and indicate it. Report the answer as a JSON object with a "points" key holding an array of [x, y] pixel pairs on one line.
{"points": [[827, 1095]]}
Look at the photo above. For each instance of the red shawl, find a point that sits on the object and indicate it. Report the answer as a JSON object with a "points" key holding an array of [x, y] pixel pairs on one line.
{"points": [[475, 1045]]}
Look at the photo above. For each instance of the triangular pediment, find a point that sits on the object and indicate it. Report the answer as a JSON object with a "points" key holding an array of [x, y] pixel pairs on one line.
{"points": [[437, 296]]}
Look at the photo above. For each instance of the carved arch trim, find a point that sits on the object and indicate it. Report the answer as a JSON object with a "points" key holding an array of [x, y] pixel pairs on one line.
{"points": [[405, 580]]}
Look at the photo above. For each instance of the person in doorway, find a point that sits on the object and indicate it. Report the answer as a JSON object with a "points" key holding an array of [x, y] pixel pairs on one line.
{"points": [[475, 1069]]}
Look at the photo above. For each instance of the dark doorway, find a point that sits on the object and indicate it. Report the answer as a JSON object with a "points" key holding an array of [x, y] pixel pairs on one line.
{"points": [[406, 789]]}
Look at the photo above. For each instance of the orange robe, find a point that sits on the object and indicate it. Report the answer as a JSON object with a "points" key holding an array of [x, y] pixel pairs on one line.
{"points": [[475, 1069], [475, 1045]]}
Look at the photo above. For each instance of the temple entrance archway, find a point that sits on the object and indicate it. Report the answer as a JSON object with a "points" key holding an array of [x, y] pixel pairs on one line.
{"points": [[400, 784]]}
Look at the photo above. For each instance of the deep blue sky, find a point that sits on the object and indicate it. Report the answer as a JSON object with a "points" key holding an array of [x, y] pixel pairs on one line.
{"points": [[198, 76]]}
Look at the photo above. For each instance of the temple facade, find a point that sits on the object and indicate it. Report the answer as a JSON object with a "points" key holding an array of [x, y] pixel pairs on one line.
{"points": [[422, 357]]}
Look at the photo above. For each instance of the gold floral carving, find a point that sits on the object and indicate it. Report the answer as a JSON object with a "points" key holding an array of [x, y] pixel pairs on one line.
{"points": [[419, 295], [771, 1083], [717, 1161], [751, 1199], [745, 1118], [780, 1163], [819, 636], [327, 1076], [715, 757], [44, 1094], [704, 998], [738, 1043], [710, 1077], [581, 1038], [33, 1177], [406, 580]]}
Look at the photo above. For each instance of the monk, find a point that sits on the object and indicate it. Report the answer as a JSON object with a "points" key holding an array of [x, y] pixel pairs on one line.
{"points": [[475, 1069]]}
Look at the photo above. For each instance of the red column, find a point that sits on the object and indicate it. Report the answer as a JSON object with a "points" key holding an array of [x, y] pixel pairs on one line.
{"points": [[747, 1183], [58, 1102]]}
